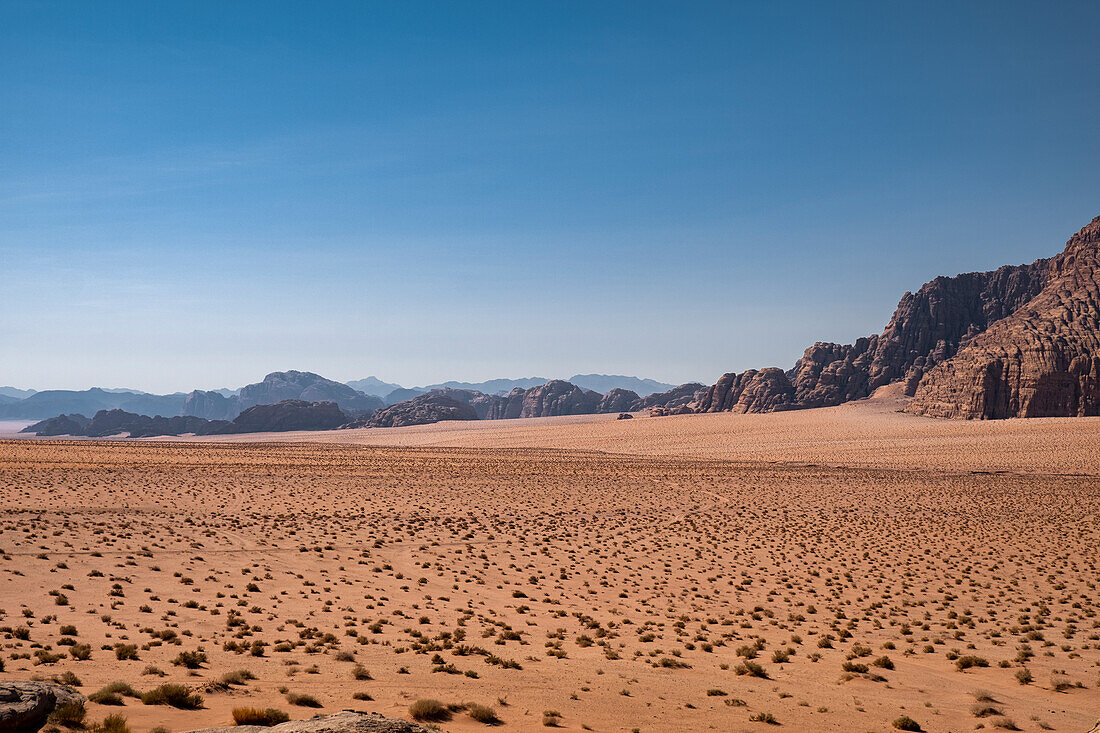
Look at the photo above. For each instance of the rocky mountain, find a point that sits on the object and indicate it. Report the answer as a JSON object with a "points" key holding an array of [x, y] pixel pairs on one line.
{"points": [[15, 393], [491, 386], [276, 387], [420, 410], [618, 400], [373, 386], [401, 394], [556, 397], [287, 415], [604, 383], [927, 328], [210, 405], [307, 386], [1043, 360]]}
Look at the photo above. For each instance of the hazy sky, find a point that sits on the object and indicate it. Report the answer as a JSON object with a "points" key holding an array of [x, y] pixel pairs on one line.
{"points": [[195, 194]]}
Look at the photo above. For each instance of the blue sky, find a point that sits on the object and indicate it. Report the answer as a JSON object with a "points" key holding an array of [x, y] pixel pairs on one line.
{"points": [[194, 194]]}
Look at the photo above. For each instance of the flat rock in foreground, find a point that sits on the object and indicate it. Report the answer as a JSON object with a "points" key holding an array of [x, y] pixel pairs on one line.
{"points": [[345, 722], [24, 706]]}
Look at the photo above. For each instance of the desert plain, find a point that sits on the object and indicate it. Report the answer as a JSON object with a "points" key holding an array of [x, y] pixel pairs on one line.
{"points": [[838, 569]]}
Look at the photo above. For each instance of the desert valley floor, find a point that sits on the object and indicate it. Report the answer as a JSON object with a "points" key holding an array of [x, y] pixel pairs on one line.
{"points": [[830, 570]]}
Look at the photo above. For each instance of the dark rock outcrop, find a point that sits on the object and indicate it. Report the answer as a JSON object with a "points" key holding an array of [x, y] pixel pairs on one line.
{"points": [[25, 706], [766, 390], [556, 397], [61, 425], [619, 400], [345, 722], [680, 396], [1041, 361], [286, 415], [421, 410], [279, 417]]}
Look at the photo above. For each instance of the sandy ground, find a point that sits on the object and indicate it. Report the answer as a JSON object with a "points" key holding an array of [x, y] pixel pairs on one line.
{"points": [[627, 575]]}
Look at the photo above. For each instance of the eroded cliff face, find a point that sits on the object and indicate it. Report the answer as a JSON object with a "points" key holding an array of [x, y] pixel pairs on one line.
{"points": [[764, 390], [556, 397], [1043, 360], [928, 328]]}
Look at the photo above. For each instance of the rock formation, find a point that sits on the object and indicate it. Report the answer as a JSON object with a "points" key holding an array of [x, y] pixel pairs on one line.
{"points": [[306, 386], [556, 397], [210, 405], [421, 410], [25, 706], [927, 328], [676, 397], [1043, 360], [765, 390], [286, 415], [619, 400], [345, 722], [61, 425]]}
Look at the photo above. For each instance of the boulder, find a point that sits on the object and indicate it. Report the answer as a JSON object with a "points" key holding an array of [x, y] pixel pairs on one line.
{"points": [[25, 706], [345, 722]]}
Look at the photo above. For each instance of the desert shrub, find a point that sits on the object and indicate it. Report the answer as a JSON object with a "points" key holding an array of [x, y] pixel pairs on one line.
{"points": [[362, 696], [80, 652], [985, 710], [68, 630], [752, 669], [104, 697], [303, 701], [70, 715], [361, 673], [122, 688], [429, 710], [190, 660], [240, 677], [256, 716], [174, 695], [906, 723], [111, 724], [884, 662], [124, 652], [1023, 676], [854, 667], [764, 718], [1004, 723], [482, 714], [964, 663], [715, 692]]}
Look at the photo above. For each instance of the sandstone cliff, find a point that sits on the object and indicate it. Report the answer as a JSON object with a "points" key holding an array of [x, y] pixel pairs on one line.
{"points": [[927, 328], [556, 397], [1042, 360]]}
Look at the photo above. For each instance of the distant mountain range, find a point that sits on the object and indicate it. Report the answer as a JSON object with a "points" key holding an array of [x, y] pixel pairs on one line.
{"points": [[392, 393], [358, 397]]}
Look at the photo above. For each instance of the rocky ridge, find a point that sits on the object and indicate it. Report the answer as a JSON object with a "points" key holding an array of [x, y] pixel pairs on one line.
{"points": [[1043, 360], [928, 328]]}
